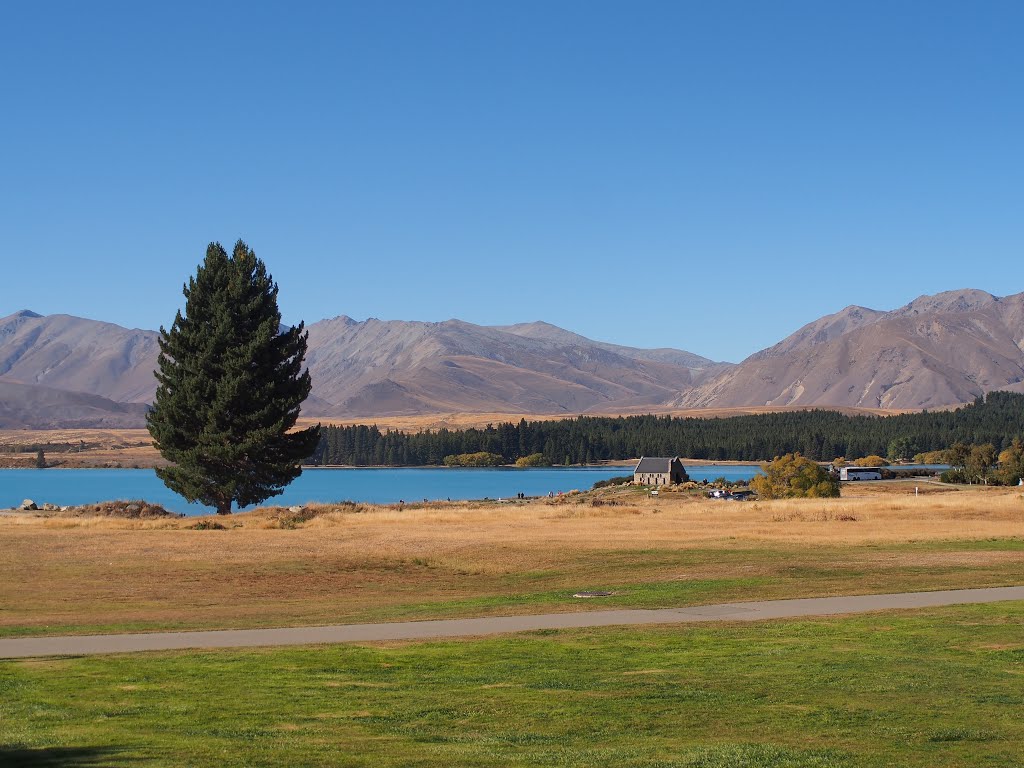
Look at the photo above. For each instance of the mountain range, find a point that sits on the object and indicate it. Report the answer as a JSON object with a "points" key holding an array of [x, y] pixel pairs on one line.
{"points": [[935, 351], [940, 350]]}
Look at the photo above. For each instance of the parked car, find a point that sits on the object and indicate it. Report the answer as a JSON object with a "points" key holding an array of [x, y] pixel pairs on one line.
{"points": [[739, 495], [724, 493]]}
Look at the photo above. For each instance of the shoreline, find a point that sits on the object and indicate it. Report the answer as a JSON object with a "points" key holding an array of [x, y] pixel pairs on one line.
{"points": [[612, 464]]}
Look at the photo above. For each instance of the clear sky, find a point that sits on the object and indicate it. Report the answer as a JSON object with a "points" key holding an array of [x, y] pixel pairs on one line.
{"points": [[708, 176]]}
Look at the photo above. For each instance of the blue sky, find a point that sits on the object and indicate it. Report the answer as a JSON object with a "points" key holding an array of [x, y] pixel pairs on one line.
{"points": [[708, 176]]}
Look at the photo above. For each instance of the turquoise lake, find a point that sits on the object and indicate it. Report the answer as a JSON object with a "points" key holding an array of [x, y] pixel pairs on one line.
{"points": [[69, 487]]}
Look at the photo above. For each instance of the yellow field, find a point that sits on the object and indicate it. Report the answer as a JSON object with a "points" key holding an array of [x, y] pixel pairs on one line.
{"points": [[344, 564], [469, 420], [102, 447], [867, 513]]}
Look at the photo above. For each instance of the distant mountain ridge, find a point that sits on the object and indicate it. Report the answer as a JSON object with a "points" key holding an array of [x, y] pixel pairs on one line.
{"points": [[377, 367], [78, 355], [935, 351], [821, 331], [370, 368], [547, 332], [28, 406]]}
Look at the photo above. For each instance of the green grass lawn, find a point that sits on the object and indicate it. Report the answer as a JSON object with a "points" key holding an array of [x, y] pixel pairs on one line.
{"points": [[942, 687]]}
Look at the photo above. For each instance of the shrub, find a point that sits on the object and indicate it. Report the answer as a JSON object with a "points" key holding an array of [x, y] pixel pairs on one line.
{"points": [[622, 480], [794, 476], [1011, 463], [931, 457], [533, 460], [871, 461], [953, 476], [479, 459], [207, 525]]}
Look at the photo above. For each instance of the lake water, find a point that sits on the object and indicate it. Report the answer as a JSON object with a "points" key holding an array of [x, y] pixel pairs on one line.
{"points": [[70, 487]]}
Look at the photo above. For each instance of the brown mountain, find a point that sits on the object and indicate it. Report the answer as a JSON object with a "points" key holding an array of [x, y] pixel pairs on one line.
{"points": [[31, 406], [380, 367], [699, 366], [935, 351], [79, 355], [367, 368], [821, 331]]}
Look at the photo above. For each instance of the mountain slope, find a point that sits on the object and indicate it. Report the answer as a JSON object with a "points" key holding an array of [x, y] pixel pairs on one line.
{"points": [[30, 406], [371, 368], [397, 367], [79, 355], [821, 331], [547, 332], [937, 350]]}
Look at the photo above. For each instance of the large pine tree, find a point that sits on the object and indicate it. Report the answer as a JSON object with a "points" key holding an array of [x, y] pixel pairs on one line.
{"points": [[231, 383]]}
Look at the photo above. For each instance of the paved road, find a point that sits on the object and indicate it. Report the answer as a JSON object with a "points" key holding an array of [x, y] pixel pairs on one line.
{"points": [[427, 630]]}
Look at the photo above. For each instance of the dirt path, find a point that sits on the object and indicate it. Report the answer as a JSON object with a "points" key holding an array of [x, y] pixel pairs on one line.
{"points": [[427, 630]]}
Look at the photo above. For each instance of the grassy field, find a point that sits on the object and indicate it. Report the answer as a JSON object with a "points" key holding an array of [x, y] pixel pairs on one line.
{"points": [[942, 687], [73, 448], [355, 564]]}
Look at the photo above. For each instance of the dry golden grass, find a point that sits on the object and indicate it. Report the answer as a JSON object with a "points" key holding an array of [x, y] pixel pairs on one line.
{"points": [[895, 516], [108, 438], [357, 563], [883, 515], [433, 421], [103, 447]]}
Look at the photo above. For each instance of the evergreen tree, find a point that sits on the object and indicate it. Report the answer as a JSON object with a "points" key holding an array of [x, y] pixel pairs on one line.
{"points": [[230, 386], [824, 434]]}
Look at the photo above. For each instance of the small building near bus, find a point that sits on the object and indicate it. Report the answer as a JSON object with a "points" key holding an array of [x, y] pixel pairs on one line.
{"points": [[860, 473], [656, 470]]}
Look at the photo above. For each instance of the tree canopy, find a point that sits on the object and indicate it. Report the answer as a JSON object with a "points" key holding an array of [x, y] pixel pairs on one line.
{"points": [[1011, 463], [817, 434], [793, 476], [533, 460], [230, 386], [478, 459]]}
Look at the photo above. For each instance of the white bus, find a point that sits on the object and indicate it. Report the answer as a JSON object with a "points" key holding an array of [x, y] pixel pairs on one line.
{"points": [[860, 473]]}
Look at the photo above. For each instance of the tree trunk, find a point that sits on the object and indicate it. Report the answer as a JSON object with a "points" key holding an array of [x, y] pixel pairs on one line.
{"points": [[224, 507]]}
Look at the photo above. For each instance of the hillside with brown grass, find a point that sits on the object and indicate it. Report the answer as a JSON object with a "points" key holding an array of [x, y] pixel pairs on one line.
{"points": [[935, 352]]}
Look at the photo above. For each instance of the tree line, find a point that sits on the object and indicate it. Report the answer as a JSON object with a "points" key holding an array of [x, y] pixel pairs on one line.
{"points": [[982, 464], [821, 435]]}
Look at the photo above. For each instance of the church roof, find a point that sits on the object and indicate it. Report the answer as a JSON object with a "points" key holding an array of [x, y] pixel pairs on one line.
{"points": [[655, 464]]}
